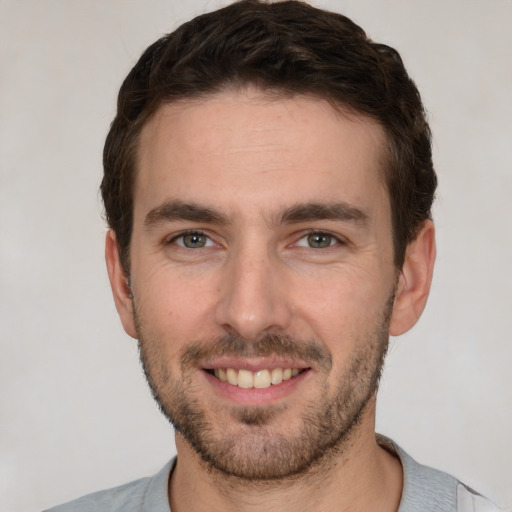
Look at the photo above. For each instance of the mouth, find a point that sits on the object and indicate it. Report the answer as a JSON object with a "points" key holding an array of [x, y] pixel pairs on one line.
{"points": [[259, 379]]}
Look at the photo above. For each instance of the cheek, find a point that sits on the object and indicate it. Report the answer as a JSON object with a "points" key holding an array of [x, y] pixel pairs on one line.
{"points": [[175, 309], [342, 307]]}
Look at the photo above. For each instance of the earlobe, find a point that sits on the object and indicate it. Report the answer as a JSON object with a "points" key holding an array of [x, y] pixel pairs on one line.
{"points": [[119, 284], [414, 281]]}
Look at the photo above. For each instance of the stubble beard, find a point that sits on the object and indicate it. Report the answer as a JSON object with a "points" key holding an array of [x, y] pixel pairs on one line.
{"points": [[256, 449]]}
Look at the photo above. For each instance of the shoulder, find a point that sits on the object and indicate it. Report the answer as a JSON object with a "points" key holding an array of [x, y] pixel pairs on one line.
{"points": [[125, 497], [146, 494], [470, 501], [426, 488]]}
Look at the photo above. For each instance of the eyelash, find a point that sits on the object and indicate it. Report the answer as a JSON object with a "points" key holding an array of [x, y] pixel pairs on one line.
{"points": [[333, 238], [183, 234]]}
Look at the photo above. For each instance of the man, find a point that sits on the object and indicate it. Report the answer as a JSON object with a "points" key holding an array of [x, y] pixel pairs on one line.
{"points": [[268, 184]]}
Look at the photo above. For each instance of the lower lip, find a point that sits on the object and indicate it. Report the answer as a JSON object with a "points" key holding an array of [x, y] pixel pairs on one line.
{"points": [[256, 396]]}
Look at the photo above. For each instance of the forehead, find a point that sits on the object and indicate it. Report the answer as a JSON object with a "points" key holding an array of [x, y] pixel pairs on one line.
{"points": [[259, 148]]}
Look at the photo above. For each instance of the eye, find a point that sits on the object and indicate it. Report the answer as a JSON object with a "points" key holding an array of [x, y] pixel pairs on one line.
{"points": [[318, 240], [193, 240]]}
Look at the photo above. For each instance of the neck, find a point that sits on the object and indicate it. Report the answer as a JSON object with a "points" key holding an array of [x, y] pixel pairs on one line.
{"points": [[357, 476]]}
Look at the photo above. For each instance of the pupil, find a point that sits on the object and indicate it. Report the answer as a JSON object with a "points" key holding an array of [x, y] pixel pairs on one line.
{"points": [[319, 241], [194, 240]]}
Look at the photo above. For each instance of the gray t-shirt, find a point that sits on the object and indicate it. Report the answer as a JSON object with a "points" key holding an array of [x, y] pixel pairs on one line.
{"points": [[425, 489]]}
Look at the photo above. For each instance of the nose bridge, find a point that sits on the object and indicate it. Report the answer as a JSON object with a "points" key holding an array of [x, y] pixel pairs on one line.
{"points": [[252, 302]]}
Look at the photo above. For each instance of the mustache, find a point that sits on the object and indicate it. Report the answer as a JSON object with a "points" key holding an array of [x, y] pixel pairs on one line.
{"points": [[268, 346]]}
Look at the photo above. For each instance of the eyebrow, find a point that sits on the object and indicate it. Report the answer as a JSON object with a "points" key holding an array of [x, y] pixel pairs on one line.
{"points": [[178, 210], [340, 211], [175, 210]]}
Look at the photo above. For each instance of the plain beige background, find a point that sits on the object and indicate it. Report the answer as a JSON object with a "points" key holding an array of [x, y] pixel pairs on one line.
{"points": [[75, 414]]}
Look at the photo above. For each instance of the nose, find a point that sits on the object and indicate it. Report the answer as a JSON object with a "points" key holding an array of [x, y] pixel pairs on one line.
{"points": [[254, 299]]}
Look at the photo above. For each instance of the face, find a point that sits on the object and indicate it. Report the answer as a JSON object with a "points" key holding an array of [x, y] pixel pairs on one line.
{"points": [[262, 277]]}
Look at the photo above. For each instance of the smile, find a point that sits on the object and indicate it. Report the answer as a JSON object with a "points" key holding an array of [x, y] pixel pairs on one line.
{"points": [[259, 379]]}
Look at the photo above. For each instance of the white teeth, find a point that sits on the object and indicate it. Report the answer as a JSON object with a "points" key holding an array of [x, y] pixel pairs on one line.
{"points": [[261, 379], [245, 379], [232, 376], [277, 376]]}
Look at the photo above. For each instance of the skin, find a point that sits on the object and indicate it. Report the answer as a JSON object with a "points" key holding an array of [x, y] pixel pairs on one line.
{"points": [[250, 159]]}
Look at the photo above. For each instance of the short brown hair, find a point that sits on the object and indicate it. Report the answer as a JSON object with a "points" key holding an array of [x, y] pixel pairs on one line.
{"points": [[292, 48]]}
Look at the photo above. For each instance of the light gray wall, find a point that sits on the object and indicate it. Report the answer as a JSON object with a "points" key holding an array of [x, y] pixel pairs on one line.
{"points": [[75, 414]]}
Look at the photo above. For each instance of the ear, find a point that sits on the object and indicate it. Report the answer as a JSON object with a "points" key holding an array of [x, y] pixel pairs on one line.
{"points": [[120, 284], [414, 281]]}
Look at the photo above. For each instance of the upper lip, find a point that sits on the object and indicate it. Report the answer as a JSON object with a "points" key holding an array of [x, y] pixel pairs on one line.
{"points": [[253, 363]]}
